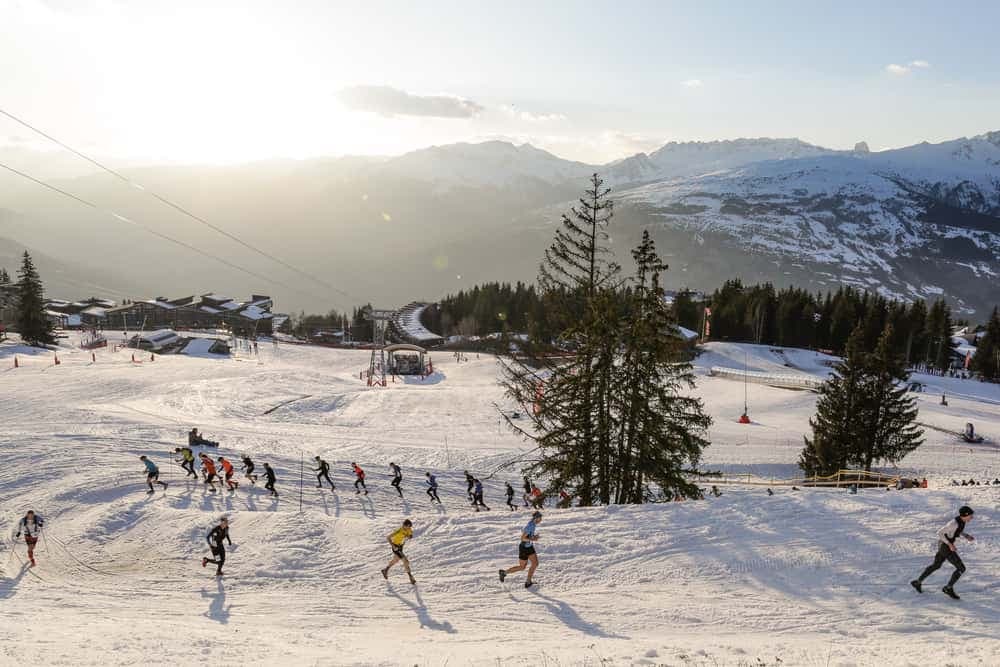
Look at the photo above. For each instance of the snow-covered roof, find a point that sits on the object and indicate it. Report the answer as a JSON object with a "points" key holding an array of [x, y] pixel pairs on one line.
{"points": [[56, 314], [209, 309], [216, 297], [57, 303], [687, 333], [408, 320], [95, 311], [106, 303], [255, 313], [229, 305], [162, 304]]}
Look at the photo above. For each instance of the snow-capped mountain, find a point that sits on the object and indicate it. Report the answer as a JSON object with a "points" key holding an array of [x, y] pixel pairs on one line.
{"points": [[914, 222]]}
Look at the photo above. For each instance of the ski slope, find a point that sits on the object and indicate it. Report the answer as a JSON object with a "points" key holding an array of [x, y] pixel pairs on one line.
{"points": [[809, 577]]}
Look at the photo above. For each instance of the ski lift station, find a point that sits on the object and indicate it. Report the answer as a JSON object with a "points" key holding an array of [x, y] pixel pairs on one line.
{"points": [[405, 359]]}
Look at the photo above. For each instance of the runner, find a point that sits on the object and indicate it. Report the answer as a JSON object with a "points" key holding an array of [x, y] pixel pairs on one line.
{"points": [[152, 474], [477, 496], [31, 525], [527, 490], [215, 538], [510, 497], [396, 540], [471, 482], [227, 467], [324, 473], [397, 477], [248, 468], [187, 461], [947, 551], [360, 475], [208, 468], [432, 488], [526, 551], [269, 474]]}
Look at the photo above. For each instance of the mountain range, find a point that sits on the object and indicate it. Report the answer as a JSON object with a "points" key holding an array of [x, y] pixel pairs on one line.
{"points": [[921, 221]]}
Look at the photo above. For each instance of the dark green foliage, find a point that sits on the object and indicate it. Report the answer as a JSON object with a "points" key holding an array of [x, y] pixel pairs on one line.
{"points": [[864, 414], [986, 361], [601, 391], [34, 327], [4, 276]]}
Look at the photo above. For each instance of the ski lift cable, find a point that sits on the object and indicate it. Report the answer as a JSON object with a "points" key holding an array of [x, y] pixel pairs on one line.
{"points": [[177, 207], [126, 220]]}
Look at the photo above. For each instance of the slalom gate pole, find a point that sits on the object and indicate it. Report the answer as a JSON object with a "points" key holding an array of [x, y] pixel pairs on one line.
{"points": [[301, 470], [45, 542]]}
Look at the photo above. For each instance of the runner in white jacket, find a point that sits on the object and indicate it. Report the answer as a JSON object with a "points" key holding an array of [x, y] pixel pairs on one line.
{"points": [[948, 551]]}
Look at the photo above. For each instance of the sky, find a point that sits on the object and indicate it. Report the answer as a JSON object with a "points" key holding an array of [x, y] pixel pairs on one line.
{"points": [[226, 82]]}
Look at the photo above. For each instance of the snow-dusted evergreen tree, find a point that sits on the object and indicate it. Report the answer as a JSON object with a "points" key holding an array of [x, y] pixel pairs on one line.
{"points": [[34, 327], [660, 432], [567, 395], [887, 413], [4, 276], [986, 360], [835, 427]]}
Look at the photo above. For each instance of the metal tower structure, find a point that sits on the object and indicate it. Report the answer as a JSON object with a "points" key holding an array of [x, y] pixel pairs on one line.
{"points": [[380, 322]]}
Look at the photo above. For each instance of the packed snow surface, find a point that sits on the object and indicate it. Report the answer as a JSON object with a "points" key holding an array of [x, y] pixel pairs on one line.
{"points": [[807, 577]]}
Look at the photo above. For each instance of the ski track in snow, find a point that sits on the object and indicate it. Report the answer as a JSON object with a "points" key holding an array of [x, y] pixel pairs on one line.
{"points": [[813, 577]]}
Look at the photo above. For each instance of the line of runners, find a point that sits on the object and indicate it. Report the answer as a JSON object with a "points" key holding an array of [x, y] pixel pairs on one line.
{"points": [[947, 537], [532, 497]]}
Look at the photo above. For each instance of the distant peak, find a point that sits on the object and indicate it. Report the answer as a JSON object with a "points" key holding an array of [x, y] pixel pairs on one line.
{"points": [[862, 147]]}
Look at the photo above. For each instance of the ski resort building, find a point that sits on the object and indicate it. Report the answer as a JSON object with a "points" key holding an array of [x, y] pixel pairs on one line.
{"points": [[209, 311]]}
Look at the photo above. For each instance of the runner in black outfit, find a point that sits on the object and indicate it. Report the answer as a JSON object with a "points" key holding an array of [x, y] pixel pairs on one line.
{"points": [[527, 490], [215, 538], [510, 497], [471, 481], [324, 473], [248, 468], [432, 488], [269, 474], [397, 477], [947, 551]]}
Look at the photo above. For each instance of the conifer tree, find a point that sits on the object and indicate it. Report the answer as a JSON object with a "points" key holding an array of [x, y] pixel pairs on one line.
{"points": [[986, 360], [34, 327], [835, 425], [4, 276], [887, 413], [661, 433], [566, 399]]}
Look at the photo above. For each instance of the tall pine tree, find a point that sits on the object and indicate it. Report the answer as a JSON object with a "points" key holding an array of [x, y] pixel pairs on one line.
{"points": [[835, 428], [4, 276], [34, 327], [567, 398], [887, 413], [660, 432]]}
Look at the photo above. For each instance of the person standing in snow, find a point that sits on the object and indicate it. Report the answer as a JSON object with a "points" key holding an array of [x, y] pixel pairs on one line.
{"points": [[187, 461], [227, 467], [31, 526], [526, 551], [477, 496], [432, 488], [215, 538], [471, 481], [359, 475], [323, 473], [397, 477], [510, 497], [248, 468], [527, 490], [269, 474], [396, 540], [208, 467], [152, 474], [947, 551]]}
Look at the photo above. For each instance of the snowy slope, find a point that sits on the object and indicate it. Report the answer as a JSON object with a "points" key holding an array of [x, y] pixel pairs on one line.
{"points": [[814, 577]]}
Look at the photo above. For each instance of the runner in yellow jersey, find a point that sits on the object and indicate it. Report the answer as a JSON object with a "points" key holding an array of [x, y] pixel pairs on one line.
{"points": [[396, 541]]}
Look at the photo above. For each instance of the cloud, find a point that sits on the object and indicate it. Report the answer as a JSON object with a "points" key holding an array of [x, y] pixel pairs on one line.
{"points": [[692, 83], [531, 117], [900, 70], [394, 102]]}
